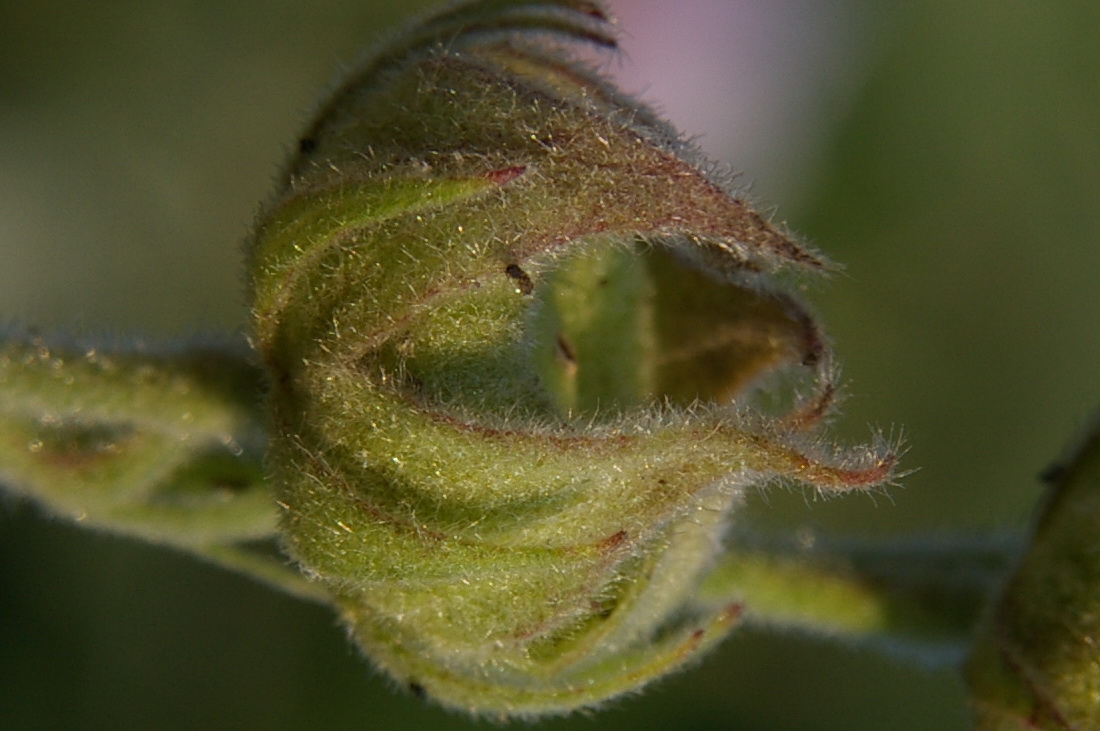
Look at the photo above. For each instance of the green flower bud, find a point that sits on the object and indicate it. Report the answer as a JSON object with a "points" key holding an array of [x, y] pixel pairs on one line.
{"points": [[517, 342], [1036, 661]]}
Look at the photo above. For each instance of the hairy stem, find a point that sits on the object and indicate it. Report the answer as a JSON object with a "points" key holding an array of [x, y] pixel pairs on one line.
{"points": [[920, 598]]}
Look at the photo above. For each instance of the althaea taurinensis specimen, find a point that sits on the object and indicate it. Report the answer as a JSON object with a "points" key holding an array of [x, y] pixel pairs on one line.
{"points": [[512, 335], [523, 354]]}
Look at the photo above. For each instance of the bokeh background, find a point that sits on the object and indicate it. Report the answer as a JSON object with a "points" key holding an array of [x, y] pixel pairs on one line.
{"points": [[947, 153]]}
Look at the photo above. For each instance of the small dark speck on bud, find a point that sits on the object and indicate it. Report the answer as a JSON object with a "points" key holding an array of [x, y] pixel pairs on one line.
{"points": [[506, 175], [523, 282], [1053, 473]]}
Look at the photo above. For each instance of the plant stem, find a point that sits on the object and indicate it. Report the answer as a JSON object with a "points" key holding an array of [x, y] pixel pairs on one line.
{"points": [[920, 598]]}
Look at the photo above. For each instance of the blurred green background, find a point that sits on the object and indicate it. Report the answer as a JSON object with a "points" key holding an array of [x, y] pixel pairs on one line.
{"points": [[958, 179]]}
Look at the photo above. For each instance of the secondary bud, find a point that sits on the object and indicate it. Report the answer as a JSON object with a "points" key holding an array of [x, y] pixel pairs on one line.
{"points": [[1035, 664]]}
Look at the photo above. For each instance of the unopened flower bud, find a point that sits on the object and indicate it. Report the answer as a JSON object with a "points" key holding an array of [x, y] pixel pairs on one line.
{"points": [[1036, 661], [520, 346]]}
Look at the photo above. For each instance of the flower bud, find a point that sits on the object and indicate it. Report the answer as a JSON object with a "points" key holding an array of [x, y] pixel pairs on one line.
{"points": [[1036, 661], [518, 343]]}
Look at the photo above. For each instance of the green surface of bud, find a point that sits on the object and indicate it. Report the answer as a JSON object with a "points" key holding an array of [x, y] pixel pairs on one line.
{"points": [[1036, 661], [525, 355]]}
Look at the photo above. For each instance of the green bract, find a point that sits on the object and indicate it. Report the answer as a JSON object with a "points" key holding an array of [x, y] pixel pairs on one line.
{"points": [[516, 339]]}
